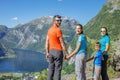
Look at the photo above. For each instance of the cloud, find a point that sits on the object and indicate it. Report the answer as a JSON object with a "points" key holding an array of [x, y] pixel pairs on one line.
{"points": [[15, 18]]}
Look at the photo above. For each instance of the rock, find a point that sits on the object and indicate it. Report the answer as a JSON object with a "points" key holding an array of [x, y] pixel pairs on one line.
{"points": [[116, 56]]}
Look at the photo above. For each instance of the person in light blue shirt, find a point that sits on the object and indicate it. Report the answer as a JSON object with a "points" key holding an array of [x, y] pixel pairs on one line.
{"points": [[83, 46], [105, 45], [80, 52], [104, 41]]}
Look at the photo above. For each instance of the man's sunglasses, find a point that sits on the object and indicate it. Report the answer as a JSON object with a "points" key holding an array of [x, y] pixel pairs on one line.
{"points": [[59, 21]]}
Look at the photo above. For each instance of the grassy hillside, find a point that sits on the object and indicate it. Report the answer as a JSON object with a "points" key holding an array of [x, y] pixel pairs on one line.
{"points": [[108, 17]]}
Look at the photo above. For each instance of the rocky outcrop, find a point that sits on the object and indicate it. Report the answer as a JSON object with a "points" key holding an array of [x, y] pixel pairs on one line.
{"points": [[114, 5], [116, 56]]}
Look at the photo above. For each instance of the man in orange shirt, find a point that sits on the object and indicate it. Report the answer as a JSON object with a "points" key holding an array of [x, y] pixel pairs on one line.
{"points": [[54, 46]]}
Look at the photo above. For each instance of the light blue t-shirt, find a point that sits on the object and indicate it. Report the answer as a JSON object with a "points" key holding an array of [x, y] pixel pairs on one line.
{"points": [[83, 45], [103, 41], [98, 58]]}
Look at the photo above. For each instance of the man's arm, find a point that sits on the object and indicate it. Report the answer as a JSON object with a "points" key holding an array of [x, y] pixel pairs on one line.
{"points": [[47, 47], [63, 45]]}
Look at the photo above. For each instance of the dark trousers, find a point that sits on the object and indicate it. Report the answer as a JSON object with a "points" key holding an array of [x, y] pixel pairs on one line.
{"points": [[55, 64], [104, 68]]}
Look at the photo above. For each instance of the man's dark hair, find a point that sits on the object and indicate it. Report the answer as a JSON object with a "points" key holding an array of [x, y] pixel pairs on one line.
{"points": [[58, 16]]}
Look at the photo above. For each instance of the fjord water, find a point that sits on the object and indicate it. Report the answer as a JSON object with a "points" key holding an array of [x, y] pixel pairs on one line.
{"points": [[25, 61]]}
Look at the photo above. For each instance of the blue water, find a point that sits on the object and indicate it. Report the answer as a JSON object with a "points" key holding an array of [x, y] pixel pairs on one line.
{"points": [[25, 61]]}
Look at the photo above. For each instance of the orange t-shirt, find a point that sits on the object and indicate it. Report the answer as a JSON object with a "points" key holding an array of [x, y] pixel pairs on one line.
{"points": [[53, 36]]}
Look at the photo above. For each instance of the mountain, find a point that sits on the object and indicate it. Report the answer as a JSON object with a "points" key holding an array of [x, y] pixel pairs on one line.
{"points": [[6, 51], [3, 31], [32, 35], [3, 28], [109, 16]]}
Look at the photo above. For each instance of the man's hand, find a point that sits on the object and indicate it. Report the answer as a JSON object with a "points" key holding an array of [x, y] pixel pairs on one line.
{"points": [[47, 56], [67, 57]]}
